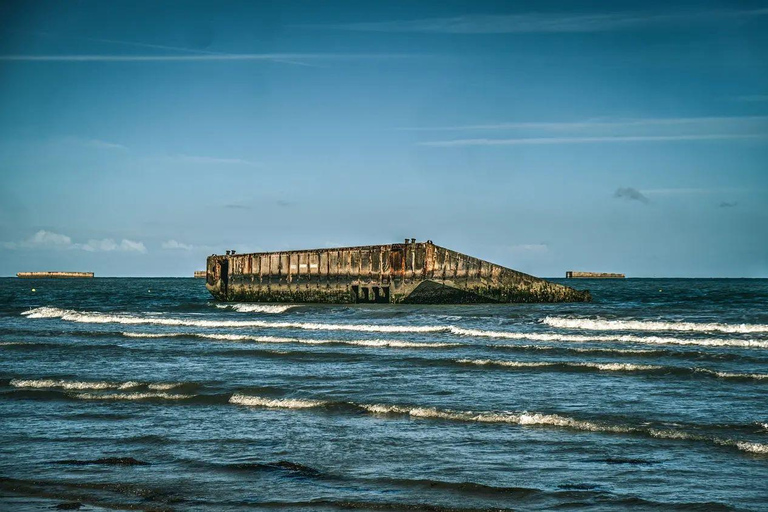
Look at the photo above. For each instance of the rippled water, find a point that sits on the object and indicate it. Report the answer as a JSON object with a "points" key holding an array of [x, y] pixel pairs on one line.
{"points": [[145, 393]]}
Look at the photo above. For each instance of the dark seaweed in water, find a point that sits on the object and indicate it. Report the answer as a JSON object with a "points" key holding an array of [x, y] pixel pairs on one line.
{"points": [[111, 461], [384, 407]]}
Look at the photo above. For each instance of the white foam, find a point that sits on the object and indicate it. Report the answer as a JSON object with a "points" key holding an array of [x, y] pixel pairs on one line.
{"points": [[732, 375], [612, 338], [163, 386], [94, 317], [9, 343], [89, 385], [130, 396], [376, 343], [68, 384], [274, 403], [615, 367], [150, 334], [258, 308], [649, 325], [104, 318]]}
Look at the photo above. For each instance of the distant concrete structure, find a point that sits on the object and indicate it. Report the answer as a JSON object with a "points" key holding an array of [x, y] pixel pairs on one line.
{"points": [[200, 273], [572, 274], [37, 275], [410, 272]]}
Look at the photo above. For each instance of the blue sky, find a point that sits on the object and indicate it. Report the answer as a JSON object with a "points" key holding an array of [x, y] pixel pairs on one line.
{"points": [[136, 138]]}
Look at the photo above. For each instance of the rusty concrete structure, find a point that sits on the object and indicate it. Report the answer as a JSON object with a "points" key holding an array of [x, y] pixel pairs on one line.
{"points": [[410, 272], [573, 274], [39, 275]]}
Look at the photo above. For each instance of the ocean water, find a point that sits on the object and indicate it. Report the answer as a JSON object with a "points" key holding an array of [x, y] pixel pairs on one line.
{"points": [[146, 394]]}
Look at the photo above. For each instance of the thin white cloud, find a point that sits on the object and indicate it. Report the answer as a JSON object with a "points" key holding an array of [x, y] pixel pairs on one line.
{"points": [[108, 245], [174, 245], [592, 140], [193, 159], [531, 248], [49, 240], [752, 98], [42, 240], [102, 144], [527, 23], [707, 122], [278, 57]]}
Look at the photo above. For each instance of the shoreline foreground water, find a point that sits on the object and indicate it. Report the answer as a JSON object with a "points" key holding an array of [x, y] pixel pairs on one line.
{"points": [[146, 394]]}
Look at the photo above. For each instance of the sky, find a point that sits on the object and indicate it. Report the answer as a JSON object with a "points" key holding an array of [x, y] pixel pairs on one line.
{"points": [[139, 137]]}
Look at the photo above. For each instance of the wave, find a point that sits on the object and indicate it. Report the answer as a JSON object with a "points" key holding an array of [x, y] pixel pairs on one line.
{"points": [[274, 403], [131, 396], [275, 339], [514, 418], [258, 308], [614, 367], [104, 318], [89, 385], [616, 338], [650, 325], [95, 317], [69, 384]]}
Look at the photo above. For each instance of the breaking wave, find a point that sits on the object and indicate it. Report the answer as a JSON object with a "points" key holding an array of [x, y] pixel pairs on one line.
{"points": [[89, 385], [274, 403], [95, 317], [131, 396], [650, 325], [258, 308], [513, 418], [276, 339], [612, 367], [72, 384], [610, 338], [105, 318]]}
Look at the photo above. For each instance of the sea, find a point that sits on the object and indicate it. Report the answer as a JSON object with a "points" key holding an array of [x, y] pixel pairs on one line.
{"points": [[147, 394]]}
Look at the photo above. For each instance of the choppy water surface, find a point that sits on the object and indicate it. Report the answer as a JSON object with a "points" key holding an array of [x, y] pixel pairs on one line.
{"points": [[146, 394]]}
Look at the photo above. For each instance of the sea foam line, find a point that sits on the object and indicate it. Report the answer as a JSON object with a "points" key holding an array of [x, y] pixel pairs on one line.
{"points": [[95, 317], [612, 367], [276, 339], [103, 318], [514, 418], [650, 325], [130, 396], [88, 385], [258, 308]]}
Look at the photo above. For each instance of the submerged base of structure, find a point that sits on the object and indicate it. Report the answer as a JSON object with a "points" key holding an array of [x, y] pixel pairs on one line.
{"points": [[408, 273]]}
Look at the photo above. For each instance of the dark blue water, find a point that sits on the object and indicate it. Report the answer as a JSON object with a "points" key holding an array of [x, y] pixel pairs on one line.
{"points": [[146, 394]]}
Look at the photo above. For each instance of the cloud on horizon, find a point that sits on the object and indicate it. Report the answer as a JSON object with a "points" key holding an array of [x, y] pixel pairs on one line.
{"points": [[533, 22], [49, 240], [728, 204], [631, 194], [173, 245]]}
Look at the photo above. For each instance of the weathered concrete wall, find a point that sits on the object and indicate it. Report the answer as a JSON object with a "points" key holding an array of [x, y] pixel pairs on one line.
{"points": [[573, 274], [408, 272], [33, 275]]}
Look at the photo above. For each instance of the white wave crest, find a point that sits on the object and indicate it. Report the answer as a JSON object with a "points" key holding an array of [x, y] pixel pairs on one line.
{"points": [[732, 375], [276, 339], [258, 308], [105, 318], [648, 325], [77, 385], [611, 338], [130, 396], [150, 334], [274, 403], [69, 384], [613, 367]]}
